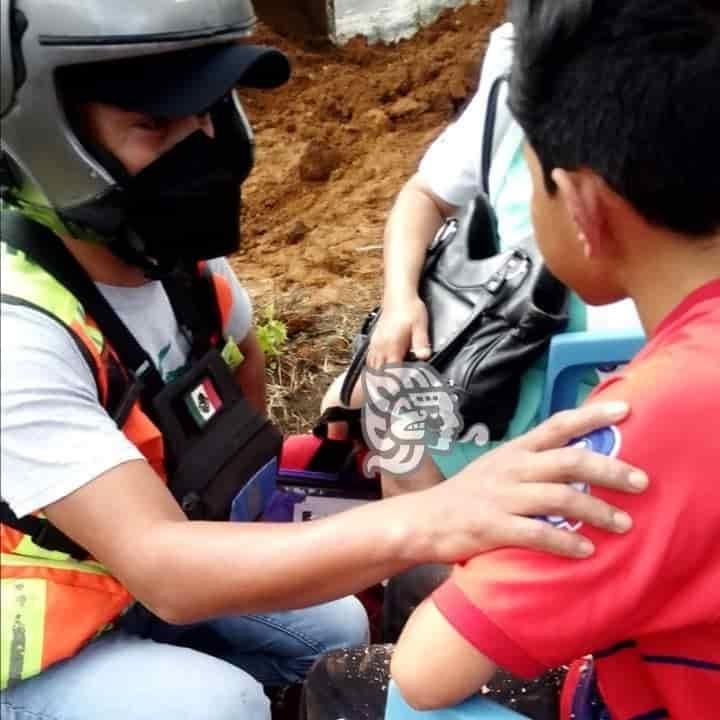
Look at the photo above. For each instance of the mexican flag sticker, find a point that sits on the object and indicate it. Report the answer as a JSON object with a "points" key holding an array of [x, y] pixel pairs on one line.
{"points": [[203, 402]]}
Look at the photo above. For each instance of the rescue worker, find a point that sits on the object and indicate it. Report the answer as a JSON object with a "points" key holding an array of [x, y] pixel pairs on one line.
{"points": [[123, 146]]}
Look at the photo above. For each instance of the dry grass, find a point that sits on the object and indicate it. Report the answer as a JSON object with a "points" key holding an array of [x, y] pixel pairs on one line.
{"points": [[317, 351]]}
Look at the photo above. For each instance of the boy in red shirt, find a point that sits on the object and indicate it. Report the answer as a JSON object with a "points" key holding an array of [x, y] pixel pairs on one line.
{"points": [[620, 103]]}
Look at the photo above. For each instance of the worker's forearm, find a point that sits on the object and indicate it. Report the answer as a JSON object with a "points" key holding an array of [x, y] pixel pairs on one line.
{"points": [[413, 222], [207, 569]]}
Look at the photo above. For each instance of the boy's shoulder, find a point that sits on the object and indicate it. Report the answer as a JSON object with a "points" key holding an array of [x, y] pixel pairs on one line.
{"points": [[683, 353], [673, 385]]}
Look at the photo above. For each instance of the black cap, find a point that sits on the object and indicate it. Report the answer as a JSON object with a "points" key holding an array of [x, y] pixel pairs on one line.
{"points": [[179, 83]]}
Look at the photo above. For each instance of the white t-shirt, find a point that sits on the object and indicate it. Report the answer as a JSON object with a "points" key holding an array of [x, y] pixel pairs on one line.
{"points": [[56, 437], [452, 169]]}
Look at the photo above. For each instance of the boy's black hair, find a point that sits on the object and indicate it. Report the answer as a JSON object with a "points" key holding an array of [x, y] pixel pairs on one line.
{"points": [[629, 89]]}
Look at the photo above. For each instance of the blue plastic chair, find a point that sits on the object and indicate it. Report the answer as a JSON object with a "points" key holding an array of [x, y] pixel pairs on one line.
{"points": [[572, 355], [474, 709], [560, 380]]}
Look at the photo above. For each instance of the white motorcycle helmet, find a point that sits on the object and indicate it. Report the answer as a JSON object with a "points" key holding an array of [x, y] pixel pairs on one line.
{"points": [[163, 57]]}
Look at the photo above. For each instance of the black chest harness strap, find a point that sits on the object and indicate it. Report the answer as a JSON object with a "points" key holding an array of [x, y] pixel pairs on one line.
{"points": [[206, 462]]}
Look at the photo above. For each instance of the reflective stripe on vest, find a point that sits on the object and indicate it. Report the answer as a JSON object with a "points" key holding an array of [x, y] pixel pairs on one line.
{"points": [[52, 605]]}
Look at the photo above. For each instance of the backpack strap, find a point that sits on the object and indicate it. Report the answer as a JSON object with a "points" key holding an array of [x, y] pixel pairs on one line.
{"points": [[489, 131], [42, 532], [338, 413], [42, 246], [9, 299], [194, 300]]}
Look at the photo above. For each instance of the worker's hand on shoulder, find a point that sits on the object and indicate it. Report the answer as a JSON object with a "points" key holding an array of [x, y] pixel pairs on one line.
{"points": [[497, 500]]}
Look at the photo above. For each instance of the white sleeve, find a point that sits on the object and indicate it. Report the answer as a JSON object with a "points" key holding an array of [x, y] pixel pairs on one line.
{"points": [[452, 165], [56, 437], [241, 317]]}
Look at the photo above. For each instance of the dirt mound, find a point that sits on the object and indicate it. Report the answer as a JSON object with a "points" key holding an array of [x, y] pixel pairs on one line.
{"points": [[334, 146]]}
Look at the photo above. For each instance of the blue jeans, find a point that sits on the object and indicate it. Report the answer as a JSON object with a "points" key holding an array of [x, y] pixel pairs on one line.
{"points": [[146, 669]]}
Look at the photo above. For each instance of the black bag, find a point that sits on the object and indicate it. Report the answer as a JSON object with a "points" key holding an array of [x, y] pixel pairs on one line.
{"points": [[490, 315]]}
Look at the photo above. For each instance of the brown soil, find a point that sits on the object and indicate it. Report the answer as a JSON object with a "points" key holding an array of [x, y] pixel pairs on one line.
{"points": [[334, 146]]}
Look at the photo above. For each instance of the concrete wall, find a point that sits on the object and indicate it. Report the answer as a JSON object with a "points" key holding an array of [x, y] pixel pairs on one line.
{"points": [[387, 20], [296, 18]]}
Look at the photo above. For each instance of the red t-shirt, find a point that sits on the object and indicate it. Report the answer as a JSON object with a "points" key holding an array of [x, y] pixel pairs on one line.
{"points": [[647, 604]]}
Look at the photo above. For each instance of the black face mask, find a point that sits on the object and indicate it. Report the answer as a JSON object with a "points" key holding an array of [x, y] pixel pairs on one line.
{"points": [[182, 208], [186, 205]]}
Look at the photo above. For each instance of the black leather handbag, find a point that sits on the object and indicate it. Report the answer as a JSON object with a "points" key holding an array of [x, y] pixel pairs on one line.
{"points": [[489, 318]]}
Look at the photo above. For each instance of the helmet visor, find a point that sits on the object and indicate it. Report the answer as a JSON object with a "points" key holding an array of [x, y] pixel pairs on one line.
{"points": [[176, 84]]}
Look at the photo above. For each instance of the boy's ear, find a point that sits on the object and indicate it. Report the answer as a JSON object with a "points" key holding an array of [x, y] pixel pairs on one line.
{"points": [[583, 197]]}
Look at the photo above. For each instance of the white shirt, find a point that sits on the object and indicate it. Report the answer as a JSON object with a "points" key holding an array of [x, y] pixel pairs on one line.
{"points": [[56, 436], [452, 165]]}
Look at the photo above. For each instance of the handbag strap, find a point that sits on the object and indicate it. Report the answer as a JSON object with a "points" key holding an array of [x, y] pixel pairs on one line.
{"points": [[354, 371], [337, 413], [357, 362], [489, 130]]}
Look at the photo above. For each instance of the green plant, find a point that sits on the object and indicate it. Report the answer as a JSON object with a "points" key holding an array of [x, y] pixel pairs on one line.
{"points": [[271, 333]]}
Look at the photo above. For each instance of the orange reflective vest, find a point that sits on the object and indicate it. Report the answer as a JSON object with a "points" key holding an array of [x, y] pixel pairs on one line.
{"points": [[53, 604]]}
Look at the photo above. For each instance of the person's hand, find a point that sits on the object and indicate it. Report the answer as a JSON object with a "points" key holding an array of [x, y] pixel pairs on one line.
{"points": [[402, 327], [494, 501]]}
